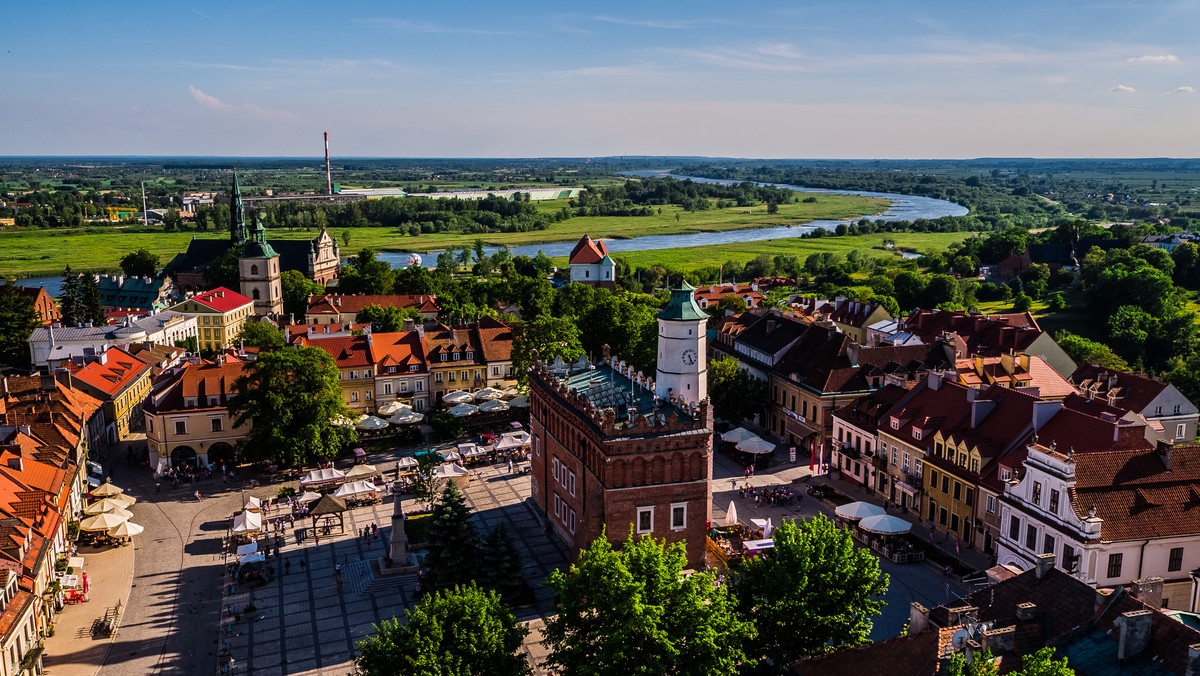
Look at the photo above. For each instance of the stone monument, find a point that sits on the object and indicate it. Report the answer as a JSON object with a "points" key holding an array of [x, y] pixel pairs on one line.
{"points": [[397, 560]]}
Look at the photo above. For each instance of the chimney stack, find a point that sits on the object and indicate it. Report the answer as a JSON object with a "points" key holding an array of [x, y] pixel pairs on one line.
{"points": [[1000, 641], [1148, 590], [1135, 633], [918, 618], [1045, 564], [1026, 611]]}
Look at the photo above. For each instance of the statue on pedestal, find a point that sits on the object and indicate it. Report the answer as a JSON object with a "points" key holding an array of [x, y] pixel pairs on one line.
{"points": [[399, 550]]}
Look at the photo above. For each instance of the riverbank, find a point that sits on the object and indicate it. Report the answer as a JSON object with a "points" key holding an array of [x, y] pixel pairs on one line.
{"points": [[46, 252]]}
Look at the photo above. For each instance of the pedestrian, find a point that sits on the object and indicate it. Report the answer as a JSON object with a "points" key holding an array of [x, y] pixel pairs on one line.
{"points": [[510, 465], [157, 487], [316, 539], [337, 570], [287, 566], [197, 495], [303, 566]]}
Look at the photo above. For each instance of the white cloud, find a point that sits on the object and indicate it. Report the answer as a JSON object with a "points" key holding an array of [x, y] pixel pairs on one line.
{"points": [[673, 25], [424, 26], [1183, 90], [1154, 58], [208, 101], [1123, 89]]}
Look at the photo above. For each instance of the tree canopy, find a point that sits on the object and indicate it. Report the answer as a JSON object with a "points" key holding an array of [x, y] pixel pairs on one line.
{"points": [[734, 393], [296, 288], [453, 556], [550, 336], [632, 611], [386, 319], [1040, 663], [463, 631], [18, 319], [260, 334], [291, 397], [140, 263]]}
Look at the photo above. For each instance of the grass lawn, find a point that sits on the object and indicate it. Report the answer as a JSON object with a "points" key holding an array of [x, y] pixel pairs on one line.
{"points": [[46, 252], [1074, 319], [690, 258]]}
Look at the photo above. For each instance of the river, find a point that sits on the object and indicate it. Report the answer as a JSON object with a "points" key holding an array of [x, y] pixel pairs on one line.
{"points": [[904, 208]]}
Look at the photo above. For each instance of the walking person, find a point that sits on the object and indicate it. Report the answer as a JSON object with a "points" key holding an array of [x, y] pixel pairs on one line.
{"points": [[157, 487], [287, 566]]}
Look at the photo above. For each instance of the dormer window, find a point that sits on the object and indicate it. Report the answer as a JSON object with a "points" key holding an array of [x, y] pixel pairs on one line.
{"points": [[917, 435], [414, 368], [471, 355], [895, 423], [457, 356], [190, 401], [443, 356], [391, 369], [214, 400]]}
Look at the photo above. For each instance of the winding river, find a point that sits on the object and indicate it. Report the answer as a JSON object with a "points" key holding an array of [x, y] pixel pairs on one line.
{"points": [[904, 208]]}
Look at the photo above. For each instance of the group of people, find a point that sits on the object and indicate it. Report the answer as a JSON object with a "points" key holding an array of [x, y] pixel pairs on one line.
{"points": [[768, 495]]}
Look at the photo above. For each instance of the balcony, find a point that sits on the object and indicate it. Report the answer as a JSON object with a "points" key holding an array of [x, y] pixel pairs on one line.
{"points": [[879, 462]]}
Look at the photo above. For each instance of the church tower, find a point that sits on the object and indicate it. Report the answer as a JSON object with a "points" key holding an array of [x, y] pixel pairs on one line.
{"points": [[237, 214], [682, 361], [259, 274]]}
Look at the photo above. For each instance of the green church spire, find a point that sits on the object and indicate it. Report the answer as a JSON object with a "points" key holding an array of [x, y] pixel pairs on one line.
{"points": [[237, 213]]}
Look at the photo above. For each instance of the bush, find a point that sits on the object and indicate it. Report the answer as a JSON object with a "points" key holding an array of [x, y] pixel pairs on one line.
{"points": [[447, 426], [285, 491], [416, 527]]}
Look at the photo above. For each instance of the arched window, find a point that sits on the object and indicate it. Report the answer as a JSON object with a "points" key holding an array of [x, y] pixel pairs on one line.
{"points": [[255, 294], [254, 269]]}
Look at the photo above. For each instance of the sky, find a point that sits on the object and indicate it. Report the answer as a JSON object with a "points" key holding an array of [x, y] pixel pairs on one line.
{"points": [[771, 79]]}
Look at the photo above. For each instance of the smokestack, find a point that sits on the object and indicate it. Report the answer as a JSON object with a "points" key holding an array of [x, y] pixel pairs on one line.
{"points": [[328, 173]]}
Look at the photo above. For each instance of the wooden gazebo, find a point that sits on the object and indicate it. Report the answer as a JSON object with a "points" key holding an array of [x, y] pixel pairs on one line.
{"points": [[326, 509]]}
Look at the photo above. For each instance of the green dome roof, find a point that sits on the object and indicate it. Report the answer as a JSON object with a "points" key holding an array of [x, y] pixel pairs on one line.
{"points": [[682, 305]]}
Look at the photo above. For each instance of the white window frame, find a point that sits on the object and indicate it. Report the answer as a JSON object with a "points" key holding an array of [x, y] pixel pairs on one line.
{"points": [[571, 483], [177, 424], [537, 446], [991, 504], [554, 465], [387, 388], [1180, 430], [676, 506], [638, 521], [354, 397], [216, 425]]}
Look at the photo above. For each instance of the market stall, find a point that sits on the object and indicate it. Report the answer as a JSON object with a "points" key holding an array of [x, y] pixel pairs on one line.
{"points": [[356, 493], [327, 477], [360, 472]]}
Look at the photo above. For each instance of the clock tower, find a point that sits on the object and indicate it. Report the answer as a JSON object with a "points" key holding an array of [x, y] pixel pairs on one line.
{"points": [[682, 362]]}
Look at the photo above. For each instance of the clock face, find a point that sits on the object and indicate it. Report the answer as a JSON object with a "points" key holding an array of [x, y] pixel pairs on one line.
{"points": [[689, 357]]}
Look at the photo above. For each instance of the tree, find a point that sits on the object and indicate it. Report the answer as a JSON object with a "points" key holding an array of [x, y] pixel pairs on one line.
{"points": [[260, 335], [71, 303], [93, 300], [292, 398], [729, 303], [172, 221], [1041, 663], [736, 395], [18, 319], [813, 593], [1082, 350], [453, 556], [464, 631], [425, 481], [550, 336], [1022, 302], [223, 270], [909, 289], [500, 564], [386, 319], [633, 612], [940, 290], [296, 289], [368, 275], [140, 263], [345, 236]]}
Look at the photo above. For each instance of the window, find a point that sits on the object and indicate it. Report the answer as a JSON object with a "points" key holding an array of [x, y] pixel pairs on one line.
{"points": [[470, 355], [895, 424], [1180, 430], [1037, 493], [1176, 409], [464, 375], [495, 370], [451, 374], [571, 483], [679, 516], [255, 293], [420, 386], [437, 377], [254, 271], [942, 516], [443, 357], [403, 386], [933, 476], [537, 446], [1004, 474], [1114, 565], [957, 490], [216, 424], [554, 468], [918, 468], [571, 522], [1068, 560], [970, 496], [1048, 544], [1054, 501], [645, 519], [945, 484], [387, 388], [917, 435], [366, 375], [954, 522], [893, 455], [149, 424], [1175, 561], [557, 506], [991, 504], [457, 356], [932, 509], [368, 395], [1031, 537], [904, 467], [180, 427], [354, 375], [353, 397]]}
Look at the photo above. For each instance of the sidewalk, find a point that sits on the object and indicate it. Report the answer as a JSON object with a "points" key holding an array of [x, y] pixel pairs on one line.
{"points": [[72, 651]]}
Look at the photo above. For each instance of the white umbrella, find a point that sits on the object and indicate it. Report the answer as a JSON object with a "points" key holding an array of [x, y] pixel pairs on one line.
{"points": [[493, 406], [126, 530], [391, 407], [309, 496], [361, 472], [458, 397], [107, 490], [511, 392], [372, 423], [247, 522], [858, 510], [322, 476], [488, 393], [731, 516], [406, 416], [737, 436], [885, 524], [519, 402], [756, 445], [102, 521], [102, 506], [343, 421], [463, 410], [123, 500]]}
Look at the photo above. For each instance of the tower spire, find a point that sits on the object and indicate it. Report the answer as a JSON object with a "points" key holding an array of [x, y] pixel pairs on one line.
{"points": [[237, 213]]}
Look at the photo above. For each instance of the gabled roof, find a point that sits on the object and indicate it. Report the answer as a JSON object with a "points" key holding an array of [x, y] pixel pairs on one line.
{"points": [[768, 333], [221, 299], [983, 335], [588, 251], [118, 370], [200, 381], [1128, 391], [340, 304], [442, 339], [853, 313], [496, 339], [929, 407], [402, 349], [347, 352], [293, 331], [866, 412], [1135, 493]]}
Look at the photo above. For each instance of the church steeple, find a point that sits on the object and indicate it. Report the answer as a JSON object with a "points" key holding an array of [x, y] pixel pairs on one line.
{"points": [[237, 213]]}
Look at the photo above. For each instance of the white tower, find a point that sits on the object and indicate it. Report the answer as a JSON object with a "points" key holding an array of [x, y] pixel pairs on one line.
{"points": [[259, 274], [682, 364]]}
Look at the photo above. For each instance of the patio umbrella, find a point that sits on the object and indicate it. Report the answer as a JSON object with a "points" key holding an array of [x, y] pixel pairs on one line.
{"points": [[126, 530], [123, 499], [511, 392], [361, 472], [885, 524], [519, 402], [102, 506], [371, 423], [406, 416], [458, 397], [391, 407], [858, 510], [107, 491], [343, 421], [756, 445], [488, 394], [493, 405], [102, 521], [309, 496], [737, 436], [731, 518], [463, 410]]}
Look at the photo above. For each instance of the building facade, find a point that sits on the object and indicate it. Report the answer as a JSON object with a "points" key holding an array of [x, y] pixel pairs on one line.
{"points": [[590, 264], [401, 369], [355, 365], [219, 316], [52, 344], [259, 273], [121, 381], [187, 422]]}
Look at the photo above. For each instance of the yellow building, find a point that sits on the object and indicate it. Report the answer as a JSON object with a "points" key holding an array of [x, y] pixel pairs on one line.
{"points": [[219, 315], [121, 381], [356, 368], [187, 422]]}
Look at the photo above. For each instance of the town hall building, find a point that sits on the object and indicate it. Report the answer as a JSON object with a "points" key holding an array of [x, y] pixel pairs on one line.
{"points": [[615, 449]]}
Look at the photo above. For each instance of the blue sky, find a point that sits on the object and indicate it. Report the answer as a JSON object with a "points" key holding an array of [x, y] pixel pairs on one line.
{"points": [[1109, 78]]}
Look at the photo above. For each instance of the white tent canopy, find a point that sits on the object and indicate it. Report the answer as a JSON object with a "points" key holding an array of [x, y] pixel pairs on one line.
{"points": [[355, 488], [405, 416], [372, 423], [361, 472], [451, 456], [252, 503], [737, 436], [756, 445], [323, 476], [858, 510], [493, 405], [309, 496], [764, 525], [251, 558], [464, 410], [406, 463], [248, 548], [510, 440], [511, 392], [885, 524], [452, 471], [458, 397], [247, 522]]}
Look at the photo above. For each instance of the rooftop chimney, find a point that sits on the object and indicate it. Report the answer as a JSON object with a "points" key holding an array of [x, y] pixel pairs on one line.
{"points": [[918, 618], [1164, 453], [1045, 564], [1135, 633], [1149, 590], [1000, 641], [1026, 611], [962, 615]]}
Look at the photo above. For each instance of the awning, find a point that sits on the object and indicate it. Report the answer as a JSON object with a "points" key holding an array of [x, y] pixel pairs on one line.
{"points": [[798, 429], [906, 488]]}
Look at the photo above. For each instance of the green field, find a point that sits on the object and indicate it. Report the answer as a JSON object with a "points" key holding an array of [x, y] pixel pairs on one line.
{"points": [[690, 258], [47, 252]]}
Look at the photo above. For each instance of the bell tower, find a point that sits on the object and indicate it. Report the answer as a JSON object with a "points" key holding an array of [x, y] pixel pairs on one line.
{"points": [[259, 274], [682, 344]]}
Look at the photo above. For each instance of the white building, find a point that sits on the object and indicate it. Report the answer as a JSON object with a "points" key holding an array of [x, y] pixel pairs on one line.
{"points": [[682, 369], [591, 264], [1112, 517], [57, 343]]}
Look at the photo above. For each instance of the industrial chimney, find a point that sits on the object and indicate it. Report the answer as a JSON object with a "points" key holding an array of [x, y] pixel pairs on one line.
{"points": [[328, 174]]}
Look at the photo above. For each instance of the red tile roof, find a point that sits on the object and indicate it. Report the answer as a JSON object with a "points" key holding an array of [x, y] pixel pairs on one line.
{"points": [[496, 339], [222, 300], [200, 381], [293, 331], [347, 352], [1136, 495], [333, 304], [401, 350], [588, 251], [1129, 391], [118, 371], [985, 335]]}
